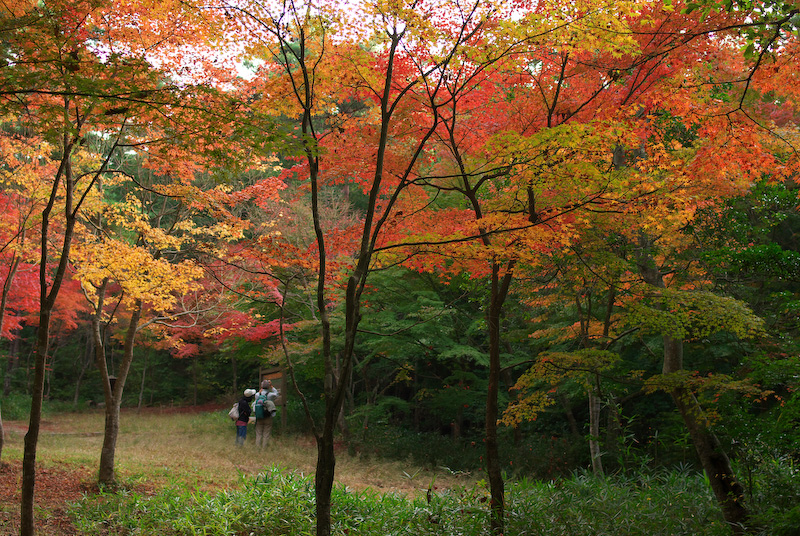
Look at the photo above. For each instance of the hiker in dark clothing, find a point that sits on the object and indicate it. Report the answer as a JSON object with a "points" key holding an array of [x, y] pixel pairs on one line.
{"points": [[244, 416]]}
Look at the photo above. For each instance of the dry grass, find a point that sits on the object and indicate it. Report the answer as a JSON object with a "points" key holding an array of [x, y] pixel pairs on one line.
{"points": [[197, 451]]}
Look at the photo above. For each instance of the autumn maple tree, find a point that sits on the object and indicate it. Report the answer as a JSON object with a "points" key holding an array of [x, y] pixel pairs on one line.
{"points": [[659, 185], [377, 145], [21, 166], [132, 278], [533, 117], [71, 70], [579, 118]]}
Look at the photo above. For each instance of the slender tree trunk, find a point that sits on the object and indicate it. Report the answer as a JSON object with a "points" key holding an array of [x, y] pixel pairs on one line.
{"points": [[113, 397], [3, 301], [108, 390], [293, 55], [594, 432], [593, 394], [47, 299], [194, 380], [499, 292], [727, 489], [613, 430], [106, 474], [573, 422], [32, 436], [13, 358], [48, 378], [323, 481], [11, 364], [85, 361], [141, 384], [235, 373]]}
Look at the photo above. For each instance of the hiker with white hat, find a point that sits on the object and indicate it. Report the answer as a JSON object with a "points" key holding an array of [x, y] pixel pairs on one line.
{"points": [[244, 416]]}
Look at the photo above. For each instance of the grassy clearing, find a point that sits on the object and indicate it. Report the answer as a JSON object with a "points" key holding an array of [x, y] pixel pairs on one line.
{"points": [[197, 451]]}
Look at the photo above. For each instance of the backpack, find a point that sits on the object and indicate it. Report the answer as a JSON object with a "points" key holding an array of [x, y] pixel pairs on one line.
{"points": [[261, 412], [269, 408], [234, 412]]}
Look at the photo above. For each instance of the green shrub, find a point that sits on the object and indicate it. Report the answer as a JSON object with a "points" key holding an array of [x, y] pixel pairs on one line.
{"points": [[16, 407], [774, 494], [666, 503], [536, 456]]}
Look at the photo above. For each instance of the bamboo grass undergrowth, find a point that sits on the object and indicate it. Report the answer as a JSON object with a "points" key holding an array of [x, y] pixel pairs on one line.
{"points": [[281, 502]]}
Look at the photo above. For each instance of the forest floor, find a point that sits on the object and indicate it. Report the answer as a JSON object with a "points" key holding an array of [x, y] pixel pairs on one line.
{"points": [[56, 487], [162, 447]]}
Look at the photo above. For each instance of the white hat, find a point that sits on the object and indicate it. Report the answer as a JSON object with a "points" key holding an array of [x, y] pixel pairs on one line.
{"points": [[249, 392]]}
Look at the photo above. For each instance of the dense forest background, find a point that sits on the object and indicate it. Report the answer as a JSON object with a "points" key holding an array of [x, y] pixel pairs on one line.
{"points": [[421, 371]]}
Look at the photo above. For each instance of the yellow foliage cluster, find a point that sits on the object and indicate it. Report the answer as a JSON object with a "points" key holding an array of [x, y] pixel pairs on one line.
{"points": [[154, 281], [694, 314], [537, 386]]}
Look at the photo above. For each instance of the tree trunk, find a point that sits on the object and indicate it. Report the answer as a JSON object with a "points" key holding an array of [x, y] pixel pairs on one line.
{"points": [[3, 301], [141, 384], [32, 436], [613, 431], [376, 213], [727, 489], [573, 422], [113, 395], [594, 392], [323, 480], [499, 292], [48, 376], [194, 380], [85, 361], [235, 373], [12, 271], [47, 300], [106, 476], [11, 365], [594, 432]]}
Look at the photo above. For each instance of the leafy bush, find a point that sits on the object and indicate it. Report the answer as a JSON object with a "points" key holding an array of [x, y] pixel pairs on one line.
{"points": [[774, 491], [439, 450], [535, 456], [658, 504], [16, 407]]}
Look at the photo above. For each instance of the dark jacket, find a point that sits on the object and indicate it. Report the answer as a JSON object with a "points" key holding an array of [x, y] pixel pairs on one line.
{"points": [[244, 409]]}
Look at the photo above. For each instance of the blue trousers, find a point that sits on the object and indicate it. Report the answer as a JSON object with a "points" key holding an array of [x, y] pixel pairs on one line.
{"points": [[241, 434]]}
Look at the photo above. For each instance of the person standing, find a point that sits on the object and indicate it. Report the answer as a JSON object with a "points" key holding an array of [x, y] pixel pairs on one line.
{"points": [[244, 416], [265, 410]]}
